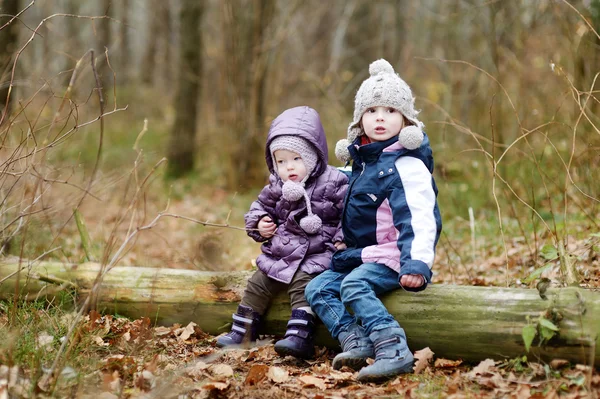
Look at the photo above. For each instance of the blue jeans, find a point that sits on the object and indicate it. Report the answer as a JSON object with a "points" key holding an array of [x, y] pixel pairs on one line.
{"points": [[331, 292]]}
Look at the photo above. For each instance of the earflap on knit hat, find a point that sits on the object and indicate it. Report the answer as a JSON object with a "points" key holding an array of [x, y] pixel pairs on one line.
{"points": [[411, 137], [298, 145], [341, 147]]}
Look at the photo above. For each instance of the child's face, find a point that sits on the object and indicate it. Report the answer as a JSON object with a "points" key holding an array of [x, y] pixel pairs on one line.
{"points": [[289, 166], [382, 123]]}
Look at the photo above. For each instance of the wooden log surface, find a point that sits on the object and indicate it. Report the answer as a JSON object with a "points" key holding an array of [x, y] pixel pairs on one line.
{"points": [[456, 322]]}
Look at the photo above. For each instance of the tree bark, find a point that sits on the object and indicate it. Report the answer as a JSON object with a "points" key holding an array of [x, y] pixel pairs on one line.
{"points": [[166, 48], [456, 322], [246, 68], [125, 47], [104, 43], [8, 48], [182, 146], [149, 59]]}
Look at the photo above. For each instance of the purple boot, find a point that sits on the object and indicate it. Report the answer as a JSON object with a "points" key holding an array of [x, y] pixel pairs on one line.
{"points": [[298, 340], [244, 330]]}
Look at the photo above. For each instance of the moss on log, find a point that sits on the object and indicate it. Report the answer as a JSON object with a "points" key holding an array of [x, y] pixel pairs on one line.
{"points": [[470, 323]]}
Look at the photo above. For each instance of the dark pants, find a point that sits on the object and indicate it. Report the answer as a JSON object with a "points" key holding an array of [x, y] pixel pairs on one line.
{"points": [[261, 289]]}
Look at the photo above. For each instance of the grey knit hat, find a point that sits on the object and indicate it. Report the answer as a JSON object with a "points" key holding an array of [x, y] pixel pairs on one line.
{"points": [[383, 88], [298, 145], [291, 190]]}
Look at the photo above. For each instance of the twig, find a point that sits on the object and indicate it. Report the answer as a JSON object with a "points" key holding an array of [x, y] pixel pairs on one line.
{"points": [[18, 54], [53, 280], [29, 265], [83, 233], [64, 136], [472, 226], [67, 95], [60, 288], [18, 15], [584, 19], [140, 135], [206, 223]]}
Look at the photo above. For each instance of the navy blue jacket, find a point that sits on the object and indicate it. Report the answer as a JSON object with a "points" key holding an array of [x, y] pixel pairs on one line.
{"points": [[391, 215]]}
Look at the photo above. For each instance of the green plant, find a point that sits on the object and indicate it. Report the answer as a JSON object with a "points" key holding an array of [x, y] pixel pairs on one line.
{"points": [[544, 327]]}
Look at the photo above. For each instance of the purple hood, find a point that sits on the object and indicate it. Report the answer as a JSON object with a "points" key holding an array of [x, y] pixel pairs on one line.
{"points": [[306, 123]]}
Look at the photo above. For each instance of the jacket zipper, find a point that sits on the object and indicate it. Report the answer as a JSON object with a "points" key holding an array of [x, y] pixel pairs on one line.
{"points": [[364, 166]]}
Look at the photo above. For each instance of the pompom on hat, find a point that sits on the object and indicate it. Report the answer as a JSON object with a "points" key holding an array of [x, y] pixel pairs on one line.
{"points": [[384, 88], [291, 190]]}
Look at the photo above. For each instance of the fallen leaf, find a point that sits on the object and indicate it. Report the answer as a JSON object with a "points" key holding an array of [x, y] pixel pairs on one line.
{"points": [[278, 374], [523, 391], [221, 371], [162, 331], [340, 376], [186, 332], [44, 339], [145, 380], [445, 363], [308, 380], [197, 369], [423, 356], [99, 341], [494, 382], [220, 386], [111, 382], [256, 374], [68, 373], [582, 367], [404, 387], [321, 368], [484, 367]]}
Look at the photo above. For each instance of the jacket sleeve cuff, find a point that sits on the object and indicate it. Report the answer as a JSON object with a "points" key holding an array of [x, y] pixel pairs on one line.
{"points": [[416, 267], [339, 236], [255, 235], [346, 260], [252, 224]]}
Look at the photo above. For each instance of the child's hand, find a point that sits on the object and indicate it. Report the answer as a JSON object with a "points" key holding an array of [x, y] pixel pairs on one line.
{"points": [[412, 280], [266, 227], [339, 245]]}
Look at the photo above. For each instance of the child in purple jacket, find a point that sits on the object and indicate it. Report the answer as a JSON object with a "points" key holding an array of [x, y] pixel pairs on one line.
{"points": [[297, 216]]}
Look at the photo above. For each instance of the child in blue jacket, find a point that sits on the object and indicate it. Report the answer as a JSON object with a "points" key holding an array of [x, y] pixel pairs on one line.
{"points": [[391, 226]]}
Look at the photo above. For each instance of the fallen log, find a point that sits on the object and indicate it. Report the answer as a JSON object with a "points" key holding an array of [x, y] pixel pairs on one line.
{"points": [[456, 322]]}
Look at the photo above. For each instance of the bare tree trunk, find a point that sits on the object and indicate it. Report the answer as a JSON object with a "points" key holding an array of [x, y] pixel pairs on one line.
{"points": [[182, 147], [247, 68], [149, 59], [8, 47], [104, 41], [399, 30], [166, 72], [73, 44], [587, 62], [260, 64], [339, 36], [125, 47]]}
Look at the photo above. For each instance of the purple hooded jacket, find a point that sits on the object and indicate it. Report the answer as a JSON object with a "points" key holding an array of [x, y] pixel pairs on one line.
{"points": [[291, 248]]}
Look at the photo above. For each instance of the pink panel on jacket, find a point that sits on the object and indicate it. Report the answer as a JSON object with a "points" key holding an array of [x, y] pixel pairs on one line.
{"points": [[386, 251], [394, 147]]}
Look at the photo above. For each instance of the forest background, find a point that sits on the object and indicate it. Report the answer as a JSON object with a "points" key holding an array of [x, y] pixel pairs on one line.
{"points": [[114, 112]]}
